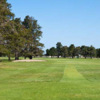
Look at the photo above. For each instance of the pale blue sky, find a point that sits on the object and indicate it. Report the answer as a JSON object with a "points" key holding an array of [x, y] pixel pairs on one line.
{"points": [[67, 21]]}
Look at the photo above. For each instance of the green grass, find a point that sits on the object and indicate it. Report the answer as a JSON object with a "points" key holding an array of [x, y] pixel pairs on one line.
{"points": [[54, 79]]}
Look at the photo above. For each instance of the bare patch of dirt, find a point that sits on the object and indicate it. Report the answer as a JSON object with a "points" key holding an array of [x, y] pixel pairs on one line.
{"points": [[28, 60]]}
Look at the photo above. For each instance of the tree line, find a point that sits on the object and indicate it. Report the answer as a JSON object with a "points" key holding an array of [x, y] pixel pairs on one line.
{"points": [[72, 51], [18, 38]]}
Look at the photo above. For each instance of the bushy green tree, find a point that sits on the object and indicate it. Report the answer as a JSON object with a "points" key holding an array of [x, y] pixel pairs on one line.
{"points": [[98, 53], [48, 52], [17, 38], [64, 51], [92, 51], [71, 50], [5, 21], [85, 51], [14, 37], [5, 12], [58, 47], [77, 51], [53, 51], [34, 46]]}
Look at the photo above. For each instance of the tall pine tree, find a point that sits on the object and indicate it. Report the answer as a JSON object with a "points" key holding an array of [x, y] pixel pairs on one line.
{"points": [[34, 46], [5, 20]]}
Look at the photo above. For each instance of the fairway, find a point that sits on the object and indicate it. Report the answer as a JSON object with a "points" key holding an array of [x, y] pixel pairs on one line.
{"points": [[52, 79]]}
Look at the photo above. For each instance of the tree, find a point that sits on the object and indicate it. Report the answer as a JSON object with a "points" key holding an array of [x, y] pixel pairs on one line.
{"points": [[64, 51], [92, 51], [5, 20], [84, 51], [77, 51], [72, 50], [5, 12], [19, 38], [58, 47], [98, 53], [34, 46], [53, 51], [2, 51], [47, 52], [14, 37]]}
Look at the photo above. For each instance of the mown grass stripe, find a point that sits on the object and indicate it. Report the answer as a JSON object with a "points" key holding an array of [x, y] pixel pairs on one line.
{"points": [[71, 74]]}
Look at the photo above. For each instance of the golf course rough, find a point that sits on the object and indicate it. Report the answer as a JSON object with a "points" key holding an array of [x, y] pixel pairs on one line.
{"points": [[53, 79]]}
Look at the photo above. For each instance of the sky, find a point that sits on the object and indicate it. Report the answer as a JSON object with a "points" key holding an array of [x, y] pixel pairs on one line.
{"points": [[66, 21]]}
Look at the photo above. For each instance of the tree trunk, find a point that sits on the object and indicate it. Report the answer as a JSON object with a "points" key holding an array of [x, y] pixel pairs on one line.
{"points": [[24, 57], [16, 56], [9, 57]]}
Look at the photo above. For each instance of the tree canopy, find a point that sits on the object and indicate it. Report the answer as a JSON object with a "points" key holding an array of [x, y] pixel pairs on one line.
{"points": [[18, 37]]}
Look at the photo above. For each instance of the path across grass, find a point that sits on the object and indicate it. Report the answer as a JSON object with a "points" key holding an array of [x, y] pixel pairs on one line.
{"points": [[54, 79]]}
